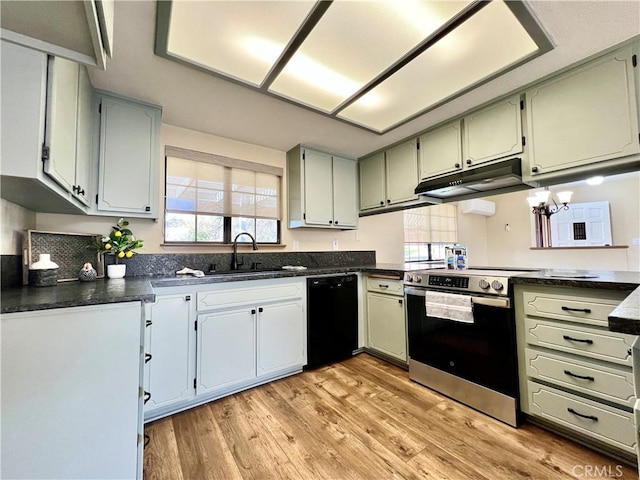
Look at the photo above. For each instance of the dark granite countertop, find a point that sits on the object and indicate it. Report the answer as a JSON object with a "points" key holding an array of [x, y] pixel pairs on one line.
{"points": [[626, 317], [606, 279], [74, 294]]}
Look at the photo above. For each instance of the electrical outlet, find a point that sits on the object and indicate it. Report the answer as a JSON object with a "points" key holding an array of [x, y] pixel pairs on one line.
{"points": [[335, 243], [296, 245], [635, 241], [507, 227]]}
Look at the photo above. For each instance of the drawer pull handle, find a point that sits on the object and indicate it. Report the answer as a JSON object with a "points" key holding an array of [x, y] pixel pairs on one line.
{"points": [[582, 377], [583, 310], [588, 417], [588, 341], [383, 286]]}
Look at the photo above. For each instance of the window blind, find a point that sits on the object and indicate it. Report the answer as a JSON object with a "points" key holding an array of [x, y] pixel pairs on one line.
{"points": [[208, 184], [432, 224]]}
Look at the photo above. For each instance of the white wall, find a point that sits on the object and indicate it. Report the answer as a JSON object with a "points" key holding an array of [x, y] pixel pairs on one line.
{"points": [[513, 248], [14, 221]]}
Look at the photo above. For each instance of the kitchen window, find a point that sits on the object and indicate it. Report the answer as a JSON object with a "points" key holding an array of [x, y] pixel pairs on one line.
{"points": [[427, 230], [211, 199]]}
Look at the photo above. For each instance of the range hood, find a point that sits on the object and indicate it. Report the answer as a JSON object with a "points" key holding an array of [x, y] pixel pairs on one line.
{"points": [[501, 177]]}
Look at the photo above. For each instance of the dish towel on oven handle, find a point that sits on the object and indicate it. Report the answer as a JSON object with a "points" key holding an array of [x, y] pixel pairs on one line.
{"points": [[449, 306]]}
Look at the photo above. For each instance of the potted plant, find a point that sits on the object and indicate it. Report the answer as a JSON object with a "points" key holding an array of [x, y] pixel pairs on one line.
{"points": [[120, 244]]}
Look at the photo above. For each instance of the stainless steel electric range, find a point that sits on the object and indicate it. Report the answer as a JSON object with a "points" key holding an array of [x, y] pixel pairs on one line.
{"points": [[462, 340]]}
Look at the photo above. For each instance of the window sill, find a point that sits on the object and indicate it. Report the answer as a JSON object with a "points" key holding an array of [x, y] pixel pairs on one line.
{"points": [[221, 245], [580, 248]]}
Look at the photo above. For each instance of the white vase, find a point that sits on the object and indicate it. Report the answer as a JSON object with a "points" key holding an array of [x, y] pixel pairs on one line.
{"points": [[116, 271]]}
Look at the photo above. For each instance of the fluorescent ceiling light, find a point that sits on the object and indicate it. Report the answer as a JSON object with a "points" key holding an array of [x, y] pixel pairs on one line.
{"points": [[374, 64]]}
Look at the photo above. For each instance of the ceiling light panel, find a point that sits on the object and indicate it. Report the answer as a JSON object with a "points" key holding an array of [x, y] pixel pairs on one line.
{"points": [[236, 38], [490, 41], [354, 42]]}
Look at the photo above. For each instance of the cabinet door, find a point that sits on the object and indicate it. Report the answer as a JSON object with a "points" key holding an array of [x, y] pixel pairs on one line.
{"points": [[62, 116], [584, 116], [170, 371], [71, 392], [128, 157], [318, 184], [372, 182], [402, 172], [441, 151], [345, 181], [23, 99], [493, 132], [386, 325], [83, 138], [281, 340], [226, 349]]}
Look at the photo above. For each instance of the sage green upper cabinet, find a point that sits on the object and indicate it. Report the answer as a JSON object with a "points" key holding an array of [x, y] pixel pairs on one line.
{"points": [[128, 157], [441, 150], [40, 94], [322, 189], [345, 181], [402, 172], [372, 181], [584, 116], [84, 137], [492, 133]]}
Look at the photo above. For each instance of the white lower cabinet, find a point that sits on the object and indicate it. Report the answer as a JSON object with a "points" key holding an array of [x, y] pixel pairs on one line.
{"points": [[226, 349], [386, 325], [574, 373], [209, 341], [71, 396], [170, 347]]}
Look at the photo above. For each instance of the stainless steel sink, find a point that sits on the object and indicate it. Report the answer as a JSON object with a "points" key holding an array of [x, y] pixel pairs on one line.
{"points": [[251, 272]]}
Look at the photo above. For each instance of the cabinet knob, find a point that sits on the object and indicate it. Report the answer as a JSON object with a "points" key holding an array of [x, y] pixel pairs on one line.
{"points": [[330, 222], [260, 310], [469, 161], [457, 165], [381, 202], [147, 397], [388, 201], [147, 357], [336, 222], [534, 169], [147, 208], [400, 302], [253, 311]]}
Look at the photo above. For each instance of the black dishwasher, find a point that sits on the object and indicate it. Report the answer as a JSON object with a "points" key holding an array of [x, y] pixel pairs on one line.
{"points": [[332, 319]]}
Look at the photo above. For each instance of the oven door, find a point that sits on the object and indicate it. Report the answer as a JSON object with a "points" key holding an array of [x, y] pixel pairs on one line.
{"points": [[482, 352]]}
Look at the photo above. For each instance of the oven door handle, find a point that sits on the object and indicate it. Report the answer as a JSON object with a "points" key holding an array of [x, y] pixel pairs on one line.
{"points": [[499, 302]]}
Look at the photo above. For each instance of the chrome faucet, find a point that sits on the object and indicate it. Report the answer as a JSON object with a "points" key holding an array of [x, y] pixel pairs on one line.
{"points": [[234, 262]]}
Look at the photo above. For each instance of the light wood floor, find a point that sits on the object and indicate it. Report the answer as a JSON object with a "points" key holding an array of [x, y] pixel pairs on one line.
{"points": [[360, 419]]}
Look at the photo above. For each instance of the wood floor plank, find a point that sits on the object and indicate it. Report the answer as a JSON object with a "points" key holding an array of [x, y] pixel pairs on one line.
{"points": [[161, 457], [359, 419], [256, 453], [203, 450]]}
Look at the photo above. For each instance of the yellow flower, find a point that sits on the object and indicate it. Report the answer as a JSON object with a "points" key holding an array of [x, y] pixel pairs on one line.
{"points": [[120, 254], [129, 254], [107, 246], [117, 233]]}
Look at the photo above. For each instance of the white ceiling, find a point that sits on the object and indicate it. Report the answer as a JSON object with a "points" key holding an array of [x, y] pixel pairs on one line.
{"points": [[198, 101]]}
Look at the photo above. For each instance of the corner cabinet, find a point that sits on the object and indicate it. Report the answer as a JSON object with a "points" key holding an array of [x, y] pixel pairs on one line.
{"points": [[46, 131], [575, 374], [584, 117], [128, 157], [71, 392], [389, 178], [321, 189]]}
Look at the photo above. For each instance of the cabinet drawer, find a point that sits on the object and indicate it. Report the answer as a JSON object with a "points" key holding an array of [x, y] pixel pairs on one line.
{"points": [[614, 384], [385, 285], [581, 340], [242, 294], [607, 424], [569, 307]]}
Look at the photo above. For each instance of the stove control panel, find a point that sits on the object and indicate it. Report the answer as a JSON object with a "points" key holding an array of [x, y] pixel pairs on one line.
{"points": [[449, 281]]}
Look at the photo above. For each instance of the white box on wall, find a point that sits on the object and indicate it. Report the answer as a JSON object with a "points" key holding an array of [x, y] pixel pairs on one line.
{"points": [[478, 206]]}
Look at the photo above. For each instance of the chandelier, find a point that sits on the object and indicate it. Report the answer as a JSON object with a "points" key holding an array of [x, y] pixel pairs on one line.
{"points": [[543, 211]]}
